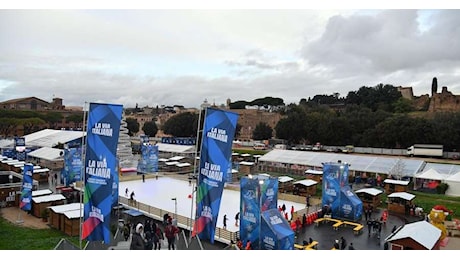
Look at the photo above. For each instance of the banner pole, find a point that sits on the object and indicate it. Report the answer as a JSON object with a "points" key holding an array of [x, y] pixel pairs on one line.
{"points": [[82, 172]]}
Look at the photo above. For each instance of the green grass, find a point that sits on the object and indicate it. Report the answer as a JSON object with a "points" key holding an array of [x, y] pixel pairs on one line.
{"points": [[14, 237]]}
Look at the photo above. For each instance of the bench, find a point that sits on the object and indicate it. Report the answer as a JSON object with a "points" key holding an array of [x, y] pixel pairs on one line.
{"points": [[300, 247], [313, 245], [358, 229], [337, 225]]}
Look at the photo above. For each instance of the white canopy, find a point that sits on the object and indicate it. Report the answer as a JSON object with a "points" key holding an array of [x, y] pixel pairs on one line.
{"points": [[399, 182], [48, 198], [47, 153], [247, 163], [371, 191], [430, 174], [402, 195], [306, 182], [66, 207], [41, 192], [285, 179], [310, 171], [454, 177]]}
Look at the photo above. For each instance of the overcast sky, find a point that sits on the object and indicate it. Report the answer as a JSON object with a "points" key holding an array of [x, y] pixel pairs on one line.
{"points": [[181, 57]]}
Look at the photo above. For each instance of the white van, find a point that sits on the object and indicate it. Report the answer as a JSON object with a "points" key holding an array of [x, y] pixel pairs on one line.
{"points": [[259, 146]]}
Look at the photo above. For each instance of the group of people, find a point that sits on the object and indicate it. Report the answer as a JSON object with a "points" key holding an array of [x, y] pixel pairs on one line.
{"points": [[247, 246], [341, 244], [149, 236]]}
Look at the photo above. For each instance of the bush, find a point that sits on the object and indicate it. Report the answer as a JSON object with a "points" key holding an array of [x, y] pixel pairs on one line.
{"points": [[441, 188]]}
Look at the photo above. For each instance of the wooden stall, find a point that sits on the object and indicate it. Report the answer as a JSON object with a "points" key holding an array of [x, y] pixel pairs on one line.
{"points": [[408, 237], [305, 187], [285, 184], [395, 186], [400, 202], [370, 196], [41, 203], [247, 167], [72, 222], [314, 175], [57, 218]]}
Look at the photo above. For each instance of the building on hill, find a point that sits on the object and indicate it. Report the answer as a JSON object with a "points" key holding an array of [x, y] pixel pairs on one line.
{"points": [[444, 102]]}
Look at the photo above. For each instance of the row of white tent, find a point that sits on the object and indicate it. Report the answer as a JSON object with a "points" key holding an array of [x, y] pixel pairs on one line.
{"points": [[453, 181]]}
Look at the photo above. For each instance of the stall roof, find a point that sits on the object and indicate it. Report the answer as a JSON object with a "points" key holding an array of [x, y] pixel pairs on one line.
{"points": [[133, 212], [306, 182], [176, 158], [247, 163], [363, 163], [285, 179], [422, 232], [71, 214], [66, 207], [41, 192], [47, 153], [371, 191], [48, 198], [398, 182], [171, 163], [309, 171], [402, 195], [41, 170], [183, 164]]}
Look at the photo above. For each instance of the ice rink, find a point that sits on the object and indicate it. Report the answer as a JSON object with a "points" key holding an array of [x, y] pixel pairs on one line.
{"points": [[159, 193]]}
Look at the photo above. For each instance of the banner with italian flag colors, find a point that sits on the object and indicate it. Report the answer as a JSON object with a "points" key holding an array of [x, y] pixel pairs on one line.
{"points": [[216, 148], [25, 202], [103, 129]]}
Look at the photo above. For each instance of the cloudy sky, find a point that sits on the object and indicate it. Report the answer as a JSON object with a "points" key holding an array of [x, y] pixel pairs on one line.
{"points": [[177, 56]]}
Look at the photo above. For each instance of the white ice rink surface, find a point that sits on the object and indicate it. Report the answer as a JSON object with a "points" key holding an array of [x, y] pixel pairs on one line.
{"points": [[158, 193]]}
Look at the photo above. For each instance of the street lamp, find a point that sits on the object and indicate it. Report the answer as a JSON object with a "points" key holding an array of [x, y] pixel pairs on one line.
{"points": [[175, 211]]}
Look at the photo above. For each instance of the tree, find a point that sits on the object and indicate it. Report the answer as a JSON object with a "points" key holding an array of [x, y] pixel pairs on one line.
{"points": [[434, 86], [150, 128], [181, 125], [132, 125], [262, 132]]}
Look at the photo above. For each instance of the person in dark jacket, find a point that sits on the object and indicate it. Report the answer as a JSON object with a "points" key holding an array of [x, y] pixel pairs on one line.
{"points": [[137, 241]]}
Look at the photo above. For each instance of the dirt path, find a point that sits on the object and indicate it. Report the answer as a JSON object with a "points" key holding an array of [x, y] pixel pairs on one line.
{"points": [[13, 213]]}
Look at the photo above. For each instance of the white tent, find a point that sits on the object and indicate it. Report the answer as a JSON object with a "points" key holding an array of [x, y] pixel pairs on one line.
{"points": [[453, 183], [430, 174]]}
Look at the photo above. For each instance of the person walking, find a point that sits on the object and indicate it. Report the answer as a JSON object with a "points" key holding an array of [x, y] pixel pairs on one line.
{"points": [[126, 192], [157, 238], [171, 231], [237, 219], [292, 212], [248, 245], [137, 241], [351, 247], [343, 243], [225, 221], [143, 177]]}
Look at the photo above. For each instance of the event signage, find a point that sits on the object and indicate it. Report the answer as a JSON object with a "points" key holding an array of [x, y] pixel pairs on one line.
{"points": [[148, 163], [103, 129], [216, 148], [25, 202], [250, 210], [72, 165]]}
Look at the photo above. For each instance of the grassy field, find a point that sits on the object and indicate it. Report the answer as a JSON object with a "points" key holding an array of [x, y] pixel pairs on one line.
{"points": [[13, 237]]}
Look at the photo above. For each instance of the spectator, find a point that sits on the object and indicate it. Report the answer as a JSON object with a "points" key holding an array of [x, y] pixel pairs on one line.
{"points": [[343, 243], [225, 221], [157, 237], [171, 231], [248, 245], [137, 242], [237, 219], [351, 247]]}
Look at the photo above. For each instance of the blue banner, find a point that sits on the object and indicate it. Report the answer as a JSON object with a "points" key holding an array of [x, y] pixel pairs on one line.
{"points": [[72, 165], [116, 181], [148, 163], [103, 129], [216, 150], [25, 202], [250, 211], [269, 193]]}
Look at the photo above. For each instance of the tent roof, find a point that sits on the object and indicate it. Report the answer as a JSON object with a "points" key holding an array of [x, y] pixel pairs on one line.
{"points": [[402, 195], [422, 232], [371, 191], [399, 182], [51, 137], [133, 212], [430, 174], [443, 168], [71, 214], [306, 182], [47, 153], [175, 148], [454, 177], [363, 163], [310, 171]]}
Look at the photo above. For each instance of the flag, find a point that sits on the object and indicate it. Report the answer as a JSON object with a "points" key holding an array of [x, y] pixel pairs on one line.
{"points": [[103, 129], [216, 148], [25, 202]]}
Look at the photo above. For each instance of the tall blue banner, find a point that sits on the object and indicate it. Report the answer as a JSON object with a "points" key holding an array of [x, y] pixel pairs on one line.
{"points": [[216, 150], [116, 181], [103, 129], [25, 202], [250, 210], [148, 163], [72, 165]]}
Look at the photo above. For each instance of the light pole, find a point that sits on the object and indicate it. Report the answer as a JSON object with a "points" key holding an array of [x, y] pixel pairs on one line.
{"points": [[175, 211]]}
